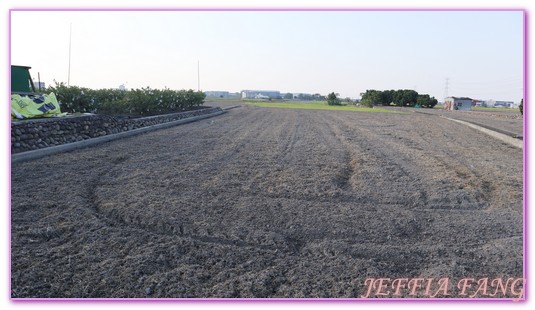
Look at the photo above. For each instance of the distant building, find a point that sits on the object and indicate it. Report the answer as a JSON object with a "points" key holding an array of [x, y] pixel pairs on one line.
{"points": [[260, 94], [303, 96], [503, 104], [500, 104], [39, 85], [221, 94], [217, 94], [478, 103], [458, 103]]}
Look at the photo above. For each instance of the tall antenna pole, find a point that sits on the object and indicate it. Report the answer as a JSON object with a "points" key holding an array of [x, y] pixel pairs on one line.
{"points": [[70, 38], [198, 77], [446, 88]]}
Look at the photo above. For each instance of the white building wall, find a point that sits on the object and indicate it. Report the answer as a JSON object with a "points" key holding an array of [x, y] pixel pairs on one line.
{"points": [[452, 103]]}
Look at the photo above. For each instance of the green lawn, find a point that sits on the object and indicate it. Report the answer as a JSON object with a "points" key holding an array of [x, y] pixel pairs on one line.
{"points": [[313, 105]]}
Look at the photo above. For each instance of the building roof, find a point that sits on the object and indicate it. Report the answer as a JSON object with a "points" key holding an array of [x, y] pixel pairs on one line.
{"points": [[263, 91], [460, 98]]}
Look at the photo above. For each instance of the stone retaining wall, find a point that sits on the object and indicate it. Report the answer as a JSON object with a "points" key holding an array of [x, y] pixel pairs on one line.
{"points": [[34, 134]]}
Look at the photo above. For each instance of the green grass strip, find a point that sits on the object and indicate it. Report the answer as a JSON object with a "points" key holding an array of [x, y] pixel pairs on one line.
{"points": [[315, 105]]}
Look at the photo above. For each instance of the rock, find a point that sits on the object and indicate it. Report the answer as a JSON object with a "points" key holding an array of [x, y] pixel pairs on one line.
{"points": [[148, 291]]}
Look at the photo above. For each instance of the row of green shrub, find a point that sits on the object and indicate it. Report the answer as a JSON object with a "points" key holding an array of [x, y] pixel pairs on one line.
{"points": [[400, 97], [144, 101]]}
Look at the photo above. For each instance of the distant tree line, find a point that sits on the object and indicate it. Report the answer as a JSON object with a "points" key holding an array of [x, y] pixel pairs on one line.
{"points": [[400, 97], [304, 97]]}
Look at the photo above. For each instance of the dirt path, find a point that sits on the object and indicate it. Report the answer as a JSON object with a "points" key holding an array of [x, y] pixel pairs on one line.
{"points": [[507, 122], [268, 203]]}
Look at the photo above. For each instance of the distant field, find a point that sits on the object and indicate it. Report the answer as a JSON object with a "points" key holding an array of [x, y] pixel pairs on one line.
{"points": [[314, 105], [494, 109]]}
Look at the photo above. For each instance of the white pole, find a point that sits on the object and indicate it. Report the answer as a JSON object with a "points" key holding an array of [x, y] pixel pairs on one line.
{"points": [[69, 75]]}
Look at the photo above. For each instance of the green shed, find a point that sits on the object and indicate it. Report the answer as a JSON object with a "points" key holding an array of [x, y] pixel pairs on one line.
{"points": [[21, 81]]}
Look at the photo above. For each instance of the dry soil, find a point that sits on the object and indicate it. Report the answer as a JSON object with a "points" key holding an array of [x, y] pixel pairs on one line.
{"points": [[266, 202]]}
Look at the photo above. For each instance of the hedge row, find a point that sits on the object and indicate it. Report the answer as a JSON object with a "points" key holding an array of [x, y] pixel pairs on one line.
{"points": [[144, 101]]}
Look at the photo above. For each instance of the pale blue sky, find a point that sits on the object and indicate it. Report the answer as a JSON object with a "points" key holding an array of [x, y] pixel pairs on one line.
{"points": [[481, 52]]}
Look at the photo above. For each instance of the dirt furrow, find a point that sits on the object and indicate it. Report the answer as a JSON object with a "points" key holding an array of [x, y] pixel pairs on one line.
{"points": [[267, 203]]}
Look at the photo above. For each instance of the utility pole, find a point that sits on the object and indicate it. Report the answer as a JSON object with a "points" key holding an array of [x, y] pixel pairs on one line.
{"points": [[69, 74], [446, 88], [198, 77]]}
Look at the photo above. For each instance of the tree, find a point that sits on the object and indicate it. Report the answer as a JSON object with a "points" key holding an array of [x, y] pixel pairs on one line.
{"points": [[426, 101], [386, 97], [332, 99], [305, 97], [288, 96], [371, 97], [366, 103], [405, 97], [400, 97], [521, 106], [318, 97]]}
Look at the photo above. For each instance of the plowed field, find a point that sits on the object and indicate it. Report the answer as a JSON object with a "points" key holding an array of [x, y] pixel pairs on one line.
{"points": [[266, 202]]}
